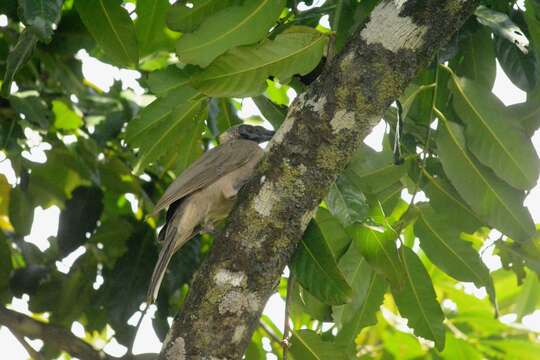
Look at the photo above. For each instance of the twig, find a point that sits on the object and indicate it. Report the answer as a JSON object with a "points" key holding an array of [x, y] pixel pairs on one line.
{"points": [[286, 325], [26, 326], [269, 332], [33, 353]]}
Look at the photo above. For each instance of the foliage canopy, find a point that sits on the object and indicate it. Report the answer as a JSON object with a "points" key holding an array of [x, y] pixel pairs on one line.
{"points": [[367, 256]]}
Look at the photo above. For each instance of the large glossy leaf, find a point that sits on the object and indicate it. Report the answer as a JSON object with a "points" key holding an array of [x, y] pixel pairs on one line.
{"points": [[368, 292], [476, 59], [308, 345], [333, 232], [493, 200], [316, 269], [492, 138], [110, 25], [231, 27], [378, 247], [440, 239], [502, 25], [150, 26], [243, 71], [346, 201], [416, 300], [41, 16], [169, 79], [157, 128], [443, 197], [374, 171], [186, 19]]}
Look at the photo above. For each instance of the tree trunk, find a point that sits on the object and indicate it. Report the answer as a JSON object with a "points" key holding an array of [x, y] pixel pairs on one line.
{"points": [[323, 129]]}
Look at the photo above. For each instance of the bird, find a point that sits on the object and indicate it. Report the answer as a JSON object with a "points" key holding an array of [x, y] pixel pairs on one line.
{"points": [[204, 194]]}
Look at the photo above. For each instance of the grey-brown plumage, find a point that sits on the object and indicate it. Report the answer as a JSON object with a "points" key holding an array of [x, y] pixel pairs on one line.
{"points": [[205, 192]]}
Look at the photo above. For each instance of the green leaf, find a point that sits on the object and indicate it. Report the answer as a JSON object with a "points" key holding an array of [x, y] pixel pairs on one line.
{"points": [[316, 269], [5, 264], [41, 16], [231, 27], [112, 235], [79, 217], [403, 346], [21, 211], [346, 202], [32, 107], [334, 234], [368, 292], [308, 345], [416, 300], [343, 21], [243, 71], [169, 79], [378, 247], [477, 58], [52, 182], [443, 197], [155, 131], [17, 57], [273, 112], [306, 305], [459, 349], [493, 200], [374, 171], [222, 115], [440, 239], [501, 24], [532, 18], [515, 349], [65, 118], [526, 114], [110, 25], [189, 146], [522, 69], [494, 140], [150, 25], [187, 19]]}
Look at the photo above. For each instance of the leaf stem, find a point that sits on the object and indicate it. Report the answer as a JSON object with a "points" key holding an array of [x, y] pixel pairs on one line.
{"points": [[286, 325]]}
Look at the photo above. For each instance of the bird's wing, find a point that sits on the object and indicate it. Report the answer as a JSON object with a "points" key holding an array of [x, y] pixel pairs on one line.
{"points": [[207, 169]]}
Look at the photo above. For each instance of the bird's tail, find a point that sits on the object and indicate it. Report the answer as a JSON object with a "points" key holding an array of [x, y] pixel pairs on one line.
{"points": [[159, 270]]}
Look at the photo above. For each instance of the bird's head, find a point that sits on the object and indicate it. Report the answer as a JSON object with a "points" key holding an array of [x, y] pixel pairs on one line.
{"points": [[257, 134]]}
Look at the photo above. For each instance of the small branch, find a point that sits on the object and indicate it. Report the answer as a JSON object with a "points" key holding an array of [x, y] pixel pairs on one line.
{"points": [[286, 325], [24, 326], [35, 355], [269, 332]]}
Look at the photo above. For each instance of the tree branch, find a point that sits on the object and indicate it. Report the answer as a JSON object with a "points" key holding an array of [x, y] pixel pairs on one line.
{"points": [[323, 129], [23, 325]]}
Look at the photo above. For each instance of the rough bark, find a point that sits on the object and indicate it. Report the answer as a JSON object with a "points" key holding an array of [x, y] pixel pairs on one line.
{"points": [[323, 129]]}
